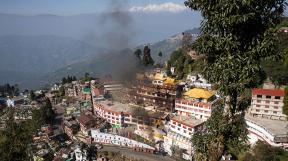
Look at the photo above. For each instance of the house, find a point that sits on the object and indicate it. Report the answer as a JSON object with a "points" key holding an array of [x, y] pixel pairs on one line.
{"points": [[86, 122], [267, 103]]}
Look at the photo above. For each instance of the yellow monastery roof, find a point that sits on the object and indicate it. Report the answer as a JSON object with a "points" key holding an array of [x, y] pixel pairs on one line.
{"points": [[169, 81], [159, 76], [198, 93]]}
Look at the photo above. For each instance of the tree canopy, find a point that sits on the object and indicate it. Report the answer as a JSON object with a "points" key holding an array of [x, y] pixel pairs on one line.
{"points": [[235, 37]]}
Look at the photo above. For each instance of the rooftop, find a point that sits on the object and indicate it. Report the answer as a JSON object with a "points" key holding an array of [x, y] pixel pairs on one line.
{"points": [[126, 108], [198, 93], [189, 121], [276, 127], [270, 92]]}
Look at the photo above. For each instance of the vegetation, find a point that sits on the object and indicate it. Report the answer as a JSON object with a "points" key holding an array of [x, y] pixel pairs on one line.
{"points": [[86, 78], [44, 115], [235, 38], [15, 140], [69, 79], [9, 90], [144, 57], [182, 63], [31, 95], [285, 107], [265, 152]]}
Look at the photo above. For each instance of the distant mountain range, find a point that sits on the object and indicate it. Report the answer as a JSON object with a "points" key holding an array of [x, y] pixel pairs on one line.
{"points": [[34, 61]]}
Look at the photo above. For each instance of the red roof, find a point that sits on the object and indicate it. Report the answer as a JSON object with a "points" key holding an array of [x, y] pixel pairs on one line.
{"points": [[269, 92]]}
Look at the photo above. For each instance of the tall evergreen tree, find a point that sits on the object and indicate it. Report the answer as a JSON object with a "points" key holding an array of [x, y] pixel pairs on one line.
{"points": [[147, 59], [236, 36]]}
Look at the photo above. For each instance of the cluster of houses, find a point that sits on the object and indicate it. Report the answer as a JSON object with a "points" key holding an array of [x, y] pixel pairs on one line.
{"points": [[164, 111]]}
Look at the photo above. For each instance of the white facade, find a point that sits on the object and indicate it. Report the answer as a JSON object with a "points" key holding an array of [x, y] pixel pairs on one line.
{"points": [[198, 81], [80, 155], [199, 110], [257, 131], [113, 139]]}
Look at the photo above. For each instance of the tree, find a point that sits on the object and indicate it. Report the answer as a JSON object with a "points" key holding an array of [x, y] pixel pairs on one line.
{"points": [[285, 107], [265, 152], [147, 59], [32, 95], [235, 37], [138, 53], [15, 140], [160, 54]]}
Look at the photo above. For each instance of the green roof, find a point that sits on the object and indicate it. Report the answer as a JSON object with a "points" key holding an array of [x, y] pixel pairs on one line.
{"points": [[86, 90]]}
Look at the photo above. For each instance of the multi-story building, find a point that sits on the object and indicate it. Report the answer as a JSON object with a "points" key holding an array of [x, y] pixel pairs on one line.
{"points": [[267, 103], [161, 97], [181, 129], [120, 114], [197, 103], [273, 132]]}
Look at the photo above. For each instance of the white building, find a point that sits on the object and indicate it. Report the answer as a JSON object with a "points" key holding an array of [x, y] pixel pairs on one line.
{"points": [[197, 103], [80, 155], [267, 103], [113, 139], [273, 132], [181, 129], [198, 81]]}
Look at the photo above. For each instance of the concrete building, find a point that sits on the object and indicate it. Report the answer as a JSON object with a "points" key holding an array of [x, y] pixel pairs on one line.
{"points": [[113, 139], [197, 103], [273, 132], [181, 129], [120, 114], [267, 103]]}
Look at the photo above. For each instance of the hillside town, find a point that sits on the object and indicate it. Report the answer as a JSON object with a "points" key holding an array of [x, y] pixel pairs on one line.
{"points": [[218, 92], [155, 115]]}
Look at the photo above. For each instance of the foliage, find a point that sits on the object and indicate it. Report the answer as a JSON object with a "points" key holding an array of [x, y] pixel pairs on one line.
{"points": [[31, 95], [86, 78], [182, 62], [276, 71], [138, 53], [69, 79], [235, 37], [9, 90], [285, 107], [15, 140], [265, 152], [209, 143], [147, 59], [44, 115]]}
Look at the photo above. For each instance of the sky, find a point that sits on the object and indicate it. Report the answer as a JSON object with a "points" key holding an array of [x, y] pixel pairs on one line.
{"points": [[72, 7]]}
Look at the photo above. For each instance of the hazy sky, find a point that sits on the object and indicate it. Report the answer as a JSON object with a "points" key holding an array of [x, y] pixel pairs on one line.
{"points": [[70, 7]]}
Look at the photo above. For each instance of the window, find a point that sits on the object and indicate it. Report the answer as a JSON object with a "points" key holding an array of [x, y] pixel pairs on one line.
{"points": [[277, 97], [266, 111], [257, 110], [267, 101], [276, 103], [275, 112], [257, 105], [258, 101], [268, 97], [259, 96], [184, 131], [275, 107], [266, 106]]}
